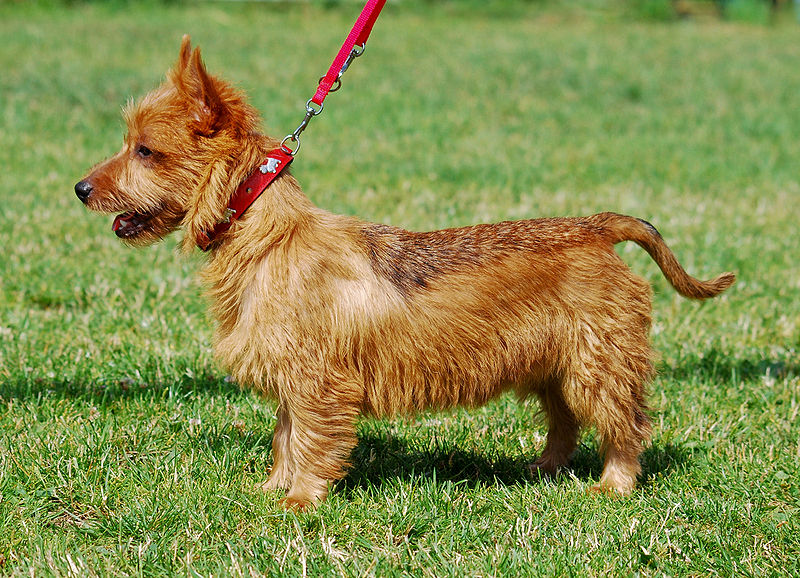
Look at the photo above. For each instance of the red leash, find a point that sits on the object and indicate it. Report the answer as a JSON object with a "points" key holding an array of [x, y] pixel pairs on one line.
{"points": [[353, 47], [358, 37], [277, 160]]}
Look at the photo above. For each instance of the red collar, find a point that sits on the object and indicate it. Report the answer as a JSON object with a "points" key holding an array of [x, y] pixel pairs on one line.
{"points": [[247, 193]]}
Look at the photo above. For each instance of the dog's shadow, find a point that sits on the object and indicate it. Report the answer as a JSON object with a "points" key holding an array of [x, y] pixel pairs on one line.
{"points": [[380, 457]]}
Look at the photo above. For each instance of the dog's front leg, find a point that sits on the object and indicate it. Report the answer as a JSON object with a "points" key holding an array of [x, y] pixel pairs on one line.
{"points": [[321, 438], [280, 478]]}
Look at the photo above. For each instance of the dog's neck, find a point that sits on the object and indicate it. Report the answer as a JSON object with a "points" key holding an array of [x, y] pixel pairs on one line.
{"points": [[278, 209], [271, 167], [280, 217]]}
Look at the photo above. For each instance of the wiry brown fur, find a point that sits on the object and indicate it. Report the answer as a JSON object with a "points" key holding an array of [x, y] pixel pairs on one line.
{"points": [[336, 317]]}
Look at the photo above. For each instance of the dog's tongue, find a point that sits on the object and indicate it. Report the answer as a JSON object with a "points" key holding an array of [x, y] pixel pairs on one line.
{"points": [[121, 220]]}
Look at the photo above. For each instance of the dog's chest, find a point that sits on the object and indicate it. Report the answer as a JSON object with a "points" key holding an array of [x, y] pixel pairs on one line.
{"points": [[290, 318]]}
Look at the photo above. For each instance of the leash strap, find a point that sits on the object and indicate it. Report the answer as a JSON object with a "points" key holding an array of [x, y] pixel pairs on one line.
{"points": [[358, 37], [353, 47]]}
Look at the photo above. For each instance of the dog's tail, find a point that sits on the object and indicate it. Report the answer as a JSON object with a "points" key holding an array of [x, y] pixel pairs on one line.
{"points": [[623, 228]]}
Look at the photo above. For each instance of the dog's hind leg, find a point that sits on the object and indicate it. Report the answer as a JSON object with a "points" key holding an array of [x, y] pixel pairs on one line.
{"points": [[621, 466], [606, 390], [562, 434]]}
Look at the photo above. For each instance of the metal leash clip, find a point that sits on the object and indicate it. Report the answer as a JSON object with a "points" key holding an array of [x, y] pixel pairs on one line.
{"points": [[355, 53], [311, 112]]}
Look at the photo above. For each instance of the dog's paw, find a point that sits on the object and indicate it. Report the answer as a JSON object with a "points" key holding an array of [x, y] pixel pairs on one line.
{"points": [[611, 491], [296, 504], [545, 468], [538, 472]]}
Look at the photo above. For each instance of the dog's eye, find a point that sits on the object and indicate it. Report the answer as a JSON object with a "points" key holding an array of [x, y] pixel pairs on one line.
{"points": [[144, 151]]}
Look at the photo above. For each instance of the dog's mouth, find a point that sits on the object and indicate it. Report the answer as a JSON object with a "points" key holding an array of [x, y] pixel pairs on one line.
{"points": [[129, 225]]}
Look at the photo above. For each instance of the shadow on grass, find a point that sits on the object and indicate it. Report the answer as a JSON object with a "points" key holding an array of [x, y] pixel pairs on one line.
{"points": [[378, 455], [716, 365], [381, 457], [110, 390]]}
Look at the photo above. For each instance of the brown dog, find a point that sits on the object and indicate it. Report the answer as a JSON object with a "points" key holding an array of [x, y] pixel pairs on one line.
{"points": [[336, 317]]}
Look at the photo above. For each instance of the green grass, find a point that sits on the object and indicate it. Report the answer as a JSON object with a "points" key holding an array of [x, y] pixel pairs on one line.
{"points": [[124, 450]]}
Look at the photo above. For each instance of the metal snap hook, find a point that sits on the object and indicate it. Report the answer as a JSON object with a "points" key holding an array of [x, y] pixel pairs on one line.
{"points": [[288, 150]]}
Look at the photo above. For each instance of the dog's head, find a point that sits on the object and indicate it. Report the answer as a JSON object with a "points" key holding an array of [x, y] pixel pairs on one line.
{"points": [[172, 170]]}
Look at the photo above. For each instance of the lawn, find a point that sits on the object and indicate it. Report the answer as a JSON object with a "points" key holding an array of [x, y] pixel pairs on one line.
{"points": [[124, 450]]}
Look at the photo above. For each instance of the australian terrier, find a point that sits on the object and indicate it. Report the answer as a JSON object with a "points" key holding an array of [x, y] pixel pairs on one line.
{"points": [[336, 317]]}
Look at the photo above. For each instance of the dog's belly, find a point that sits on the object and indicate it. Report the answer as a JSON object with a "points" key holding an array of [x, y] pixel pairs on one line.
{"points": [[461, 343]]}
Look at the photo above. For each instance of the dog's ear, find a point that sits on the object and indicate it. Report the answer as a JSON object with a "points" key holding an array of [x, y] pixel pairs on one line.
{"points": [[205, 210], [185, 53], [210, 113], [201, 90]]}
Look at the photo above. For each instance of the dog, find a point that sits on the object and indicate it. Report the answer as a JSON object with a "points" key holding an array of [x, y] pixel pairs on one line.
{"points": [[336, 318]]}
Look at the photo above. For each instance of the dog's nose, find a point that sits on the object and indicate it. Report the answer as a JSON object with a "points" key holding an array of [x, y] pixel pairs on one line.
{"points": [[83, 189]]}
